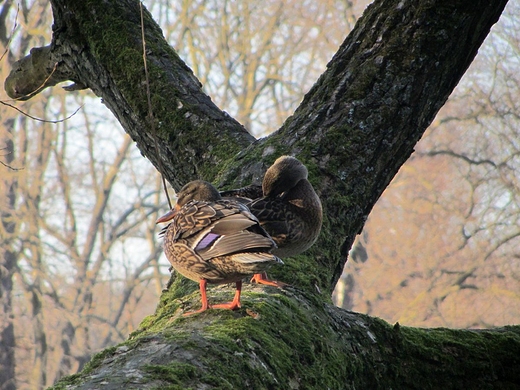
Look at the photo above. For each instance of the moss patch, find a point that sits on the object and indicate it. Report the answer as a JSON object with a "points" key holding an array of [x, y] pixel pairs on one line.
{"points": [[175, 373], [290, 339]]}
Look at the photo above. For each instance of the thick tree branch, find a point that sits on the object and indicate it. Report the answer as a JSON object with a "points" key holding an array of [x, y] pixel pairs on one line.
{"points": [[362, 119], [290, 340], [98, 45], [33, 73]]}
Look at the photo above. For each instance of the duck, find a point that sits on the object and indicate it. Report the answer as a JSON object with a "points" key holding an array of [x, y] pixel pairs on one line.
{"points": [[287, 206], [214, 240]]}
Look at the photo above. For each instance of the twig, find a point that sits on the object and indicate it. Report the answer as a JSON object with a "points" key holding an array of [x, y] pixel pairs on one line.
{"points": [[39, 119], [150, 112], [7, 165]]}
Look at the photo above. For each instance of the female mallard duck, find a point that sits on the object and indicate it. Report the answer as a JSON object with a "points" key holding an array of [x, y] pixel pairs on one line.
{"points": [[211, 240], [287, 207]]}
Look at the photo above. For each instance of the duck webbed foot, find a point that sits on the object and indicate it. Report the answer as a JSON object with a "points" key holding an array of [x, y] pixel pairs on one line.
{"points": [[203, 298], [235, 304], [263, 279]]}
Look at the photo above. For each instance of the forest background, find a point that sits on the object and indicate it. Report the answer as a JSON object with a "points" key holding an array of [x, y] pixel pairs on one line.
{"points": [[78, 239]]}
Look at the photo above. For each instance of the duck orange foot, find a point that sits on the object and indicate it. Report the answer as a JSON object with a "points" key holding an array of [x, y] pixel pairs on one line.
{"points": [[263, 279]]}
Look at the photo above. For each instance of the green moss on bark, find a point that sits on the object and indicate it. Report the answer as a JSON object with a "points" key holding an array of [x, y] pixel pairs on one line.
{"points": [[289, 339]]}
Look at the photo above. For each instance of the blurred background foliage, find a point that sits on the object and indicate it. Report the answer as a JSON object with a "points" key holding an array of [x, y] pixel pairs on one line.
{"points": [[80, 260]]}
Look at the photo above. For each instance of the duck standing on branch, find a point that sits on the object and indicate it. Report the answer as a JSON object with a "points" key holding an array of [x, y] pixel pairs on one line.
{"points": [[211, 240], [287, 207]]}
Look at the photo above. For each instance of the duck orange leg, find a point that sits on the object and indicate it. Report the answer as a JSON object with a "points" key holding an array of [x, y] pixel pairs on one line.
{"points": [[236, 300], [263, 279], [203, 298]]}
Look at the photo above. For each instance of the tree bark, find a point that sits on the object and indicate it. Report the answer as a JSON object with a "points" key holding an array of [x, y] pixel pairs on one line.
{"points": [[353, 130]]}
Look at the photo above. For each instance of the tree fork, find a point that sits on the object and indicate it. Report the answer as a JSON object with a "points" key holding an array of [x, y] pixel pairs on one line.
{"points": [[354, 129]]}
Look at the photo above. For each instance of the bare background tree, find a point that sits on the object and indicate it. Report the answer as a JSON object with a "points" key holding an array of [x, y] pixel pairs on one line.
{"points": [[79, 260]]}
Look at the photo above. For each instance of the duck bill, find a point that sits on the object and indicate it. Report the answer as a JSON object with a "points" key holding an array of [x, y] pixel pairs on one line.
{"points": [[169, 215]]}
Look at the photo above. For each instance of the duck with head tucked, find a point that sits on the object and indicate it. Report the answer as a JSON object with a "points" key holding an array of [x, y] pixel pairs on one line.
{"points": [[211, 240], [287, 207]]}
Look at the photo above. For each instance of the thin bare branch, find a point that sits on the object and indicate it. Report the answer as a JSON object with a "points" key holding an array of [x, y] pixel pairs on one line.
{"points": [[150, 109], [39, 119]]}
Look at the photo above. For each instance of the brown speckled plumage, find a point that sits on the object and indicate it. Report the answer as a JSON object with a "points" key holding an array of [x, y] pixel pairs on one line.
{"points": [[215, 241], [287, 207]]}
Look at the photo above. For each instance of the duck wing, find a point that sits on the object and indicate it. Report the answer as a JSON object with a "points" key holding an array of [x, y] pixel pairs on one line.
{"points": [[197, 215], [231, 234], [272, 214]]}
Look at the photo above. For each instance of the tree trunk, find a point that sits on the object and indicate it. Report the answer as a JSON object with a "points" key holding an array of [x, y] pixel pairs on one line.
{"points": [[8, 258], [353, 130], [7, 340]]}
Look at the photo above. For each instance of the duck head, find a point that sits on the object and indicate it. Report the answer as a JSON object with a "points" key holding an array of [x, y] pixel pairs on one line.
{"points": [[283, 175], [194, 190]]}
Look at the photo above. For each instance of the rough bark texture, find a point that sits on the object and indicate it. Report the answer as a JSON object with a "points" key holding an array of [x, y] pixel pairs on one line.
{"points": [[293, 340], [354, 129]]}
